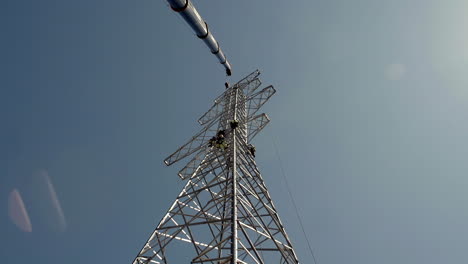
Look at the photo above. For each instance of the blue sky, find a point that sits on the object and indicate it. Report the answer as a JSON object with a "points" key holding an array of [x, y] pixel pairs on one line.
{"points": [[369, 118]]}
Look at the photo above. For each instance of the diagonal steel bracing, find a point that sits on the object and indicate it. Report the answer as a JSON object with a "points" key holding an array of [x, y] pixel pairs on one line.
{"points": [[224, 210]]}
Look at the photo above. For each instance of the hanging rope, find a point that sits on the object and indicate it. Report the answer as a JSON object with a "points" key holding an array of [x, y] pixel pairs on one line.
{"points": [[292, 200]]}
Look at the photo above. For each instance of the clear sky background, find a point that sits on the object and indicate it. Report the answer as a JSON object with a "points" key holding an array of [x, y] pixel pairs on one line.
{"points": [[370, 118]]}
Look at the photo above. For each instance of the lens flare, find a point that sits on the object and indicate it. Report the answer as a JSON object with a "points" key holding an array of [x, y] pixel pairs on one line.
{"points": [[53, 198], [17, 212]]}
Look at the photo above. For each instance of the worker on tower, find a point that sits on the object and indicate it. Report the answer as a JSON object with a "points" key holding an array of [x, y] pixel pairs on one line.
{"points": [[219, 141], [234, 124], [252, 150], [212, 142], [220, 134]]}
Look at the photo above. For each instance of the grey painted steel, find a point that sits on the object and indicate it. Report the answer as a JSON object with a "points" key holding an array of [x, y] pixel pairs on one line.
{"points": [[225, 210], [190, 14]]}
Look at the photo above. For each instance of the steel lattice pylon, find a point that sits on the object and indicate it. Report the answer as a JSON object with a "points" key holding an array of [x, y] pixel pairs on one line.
{"points": [[224, 210]]}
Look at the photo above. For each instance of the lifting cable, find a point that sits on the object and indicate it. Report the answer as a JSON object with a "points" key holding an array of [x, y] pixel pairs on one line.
{"points": [[292, 200]]}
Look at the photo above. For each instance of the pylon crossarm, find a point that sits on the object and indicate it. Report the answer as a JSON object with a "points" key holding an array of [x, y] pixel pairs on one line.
{"points": [[240, 84], [248, 86], [194, 165], [214, 112], [251, 87], [258, 99], [193, 145], [249, 78], [256, 124]]}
